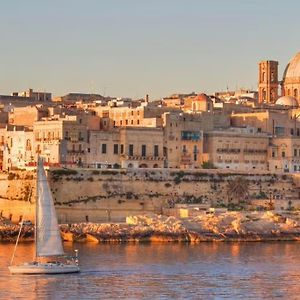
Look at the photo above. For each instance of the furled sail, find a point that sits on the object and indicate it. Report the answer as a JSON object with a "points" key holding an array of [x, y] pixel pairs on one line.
{"points": [[48, 239]]}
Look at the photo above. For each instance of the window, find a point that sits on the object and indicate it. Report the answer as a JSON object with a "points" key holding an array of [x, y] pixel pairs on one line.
{"points": [[298, 132], [295, 152], [292, 131], [190, 135], [144, 150], [295, 93], [138, 122], [28, 145], [195, 149], [126, 122], [103, 148], [272, 77], [155, 150], [264, 94], [283, 153], [295, 168], [184, 149], [116, 149], [279, 130], [130, 150], [122, 149]]}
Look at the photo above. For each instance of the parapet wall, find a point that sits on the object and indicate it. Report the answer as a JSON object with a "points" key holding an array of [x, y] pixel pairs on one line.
{"points": [[110, 195]]}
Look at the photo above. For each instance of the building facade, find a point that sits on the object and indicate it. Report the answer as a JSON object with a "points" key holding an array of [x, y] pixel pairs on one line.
{"points": [[237, 148]]}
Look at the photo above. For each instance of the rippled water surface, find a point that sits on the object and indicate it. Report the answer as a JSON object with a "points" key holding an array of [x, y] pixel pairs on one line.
{"points": [[163, 271]]}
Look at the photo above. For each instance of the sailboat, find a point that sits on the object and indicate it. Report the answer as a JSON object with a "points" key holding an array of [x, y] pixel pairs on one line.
{"points": [[49, 257]]}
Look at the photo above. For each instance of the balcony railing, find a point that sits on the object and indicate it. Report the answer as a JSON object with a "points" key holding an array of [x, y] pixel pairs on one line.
{"points": [[255, 151], [228, 150], [144, 158], [47, 139]]}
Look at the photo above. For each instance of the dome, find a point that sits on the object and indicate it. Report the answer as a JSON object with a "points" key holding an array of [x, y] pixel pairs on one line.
{"points": [[287, 101], [292, 70]]}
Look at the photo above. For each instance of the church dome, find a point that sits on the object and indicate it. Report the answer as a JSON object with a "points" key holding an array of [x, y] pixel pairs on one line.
{"points": [[287, 101], [292, 70]]}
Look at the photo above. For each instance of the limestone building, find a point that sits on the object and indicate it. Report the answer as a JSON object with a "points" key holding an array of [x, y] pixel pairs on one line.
{"points": [[26, 116], [34, 95], [284, 154], [127, 147], [61, 140], [280, 123], [16, 147], [237, 148]]}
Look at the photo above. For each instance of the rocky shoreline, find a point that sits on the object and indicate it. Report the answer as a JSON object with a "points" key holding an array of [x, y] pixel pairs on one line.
{"points": [[228, 227]]}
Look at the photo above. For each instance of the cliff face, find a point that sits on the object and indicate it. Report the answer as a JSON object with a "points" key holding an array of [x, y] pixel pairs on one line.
{"points": [[111, 195]]}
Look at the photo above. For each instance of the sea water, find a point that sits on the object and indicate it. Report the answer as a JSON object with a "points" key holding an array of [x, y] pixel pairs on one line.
{"points": [[255, 270]]}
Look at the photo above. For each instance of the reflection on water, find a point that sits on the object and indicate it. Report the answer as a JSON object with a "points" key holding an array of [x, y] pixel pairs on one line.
{"points": [[163, 271]]}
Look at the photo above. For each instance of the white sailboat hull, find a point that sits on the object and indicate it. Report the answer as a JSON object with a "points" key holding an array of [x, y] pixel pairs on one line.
{"points": [[44, 268]]}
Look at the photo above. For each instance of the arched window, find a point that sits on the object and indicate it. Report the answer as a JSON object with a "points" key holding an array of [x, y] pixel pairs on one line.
{"points": [[264, 95], [272, 94], [143, 166], [288, 92], [295, 93], [263, 77], [28, 145]]}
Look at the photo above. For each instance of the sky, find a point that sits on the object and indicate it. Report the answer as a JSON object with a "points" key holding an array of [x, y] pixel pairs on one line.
{"points": [[130, 48]]}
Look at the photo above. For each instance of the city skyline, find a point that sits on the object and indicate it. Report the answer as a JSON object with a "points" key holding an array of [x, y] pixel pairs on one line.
{"points": [[132, 49]]}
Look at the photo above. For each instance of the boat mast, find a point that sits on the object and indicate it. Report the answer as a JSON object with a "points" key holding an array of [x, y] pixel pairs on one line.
{"points": [[36, 206]]}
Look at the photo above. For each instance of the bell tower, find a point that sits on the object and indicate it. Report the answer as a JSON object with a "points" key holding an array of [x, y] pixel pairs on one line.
{"points": [[268, 81]]}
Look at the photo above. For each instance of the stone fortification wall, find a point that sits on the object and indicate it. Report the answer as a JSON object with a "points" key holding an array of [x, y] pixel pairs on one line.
{"points": [[110, 195]]}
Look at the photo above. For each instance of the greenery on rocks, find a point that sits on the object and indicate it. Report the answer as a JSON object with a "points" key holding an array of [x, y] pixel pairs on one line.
{"points": [[208, 165], [63, 172]]}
